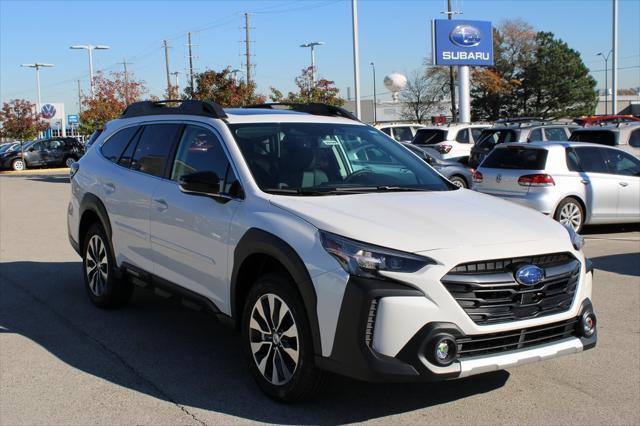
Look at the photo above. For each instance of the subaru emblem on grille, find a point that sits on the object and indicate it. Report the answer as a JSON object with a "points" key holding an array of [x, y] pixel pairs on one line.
{"points": [[529, 275]]}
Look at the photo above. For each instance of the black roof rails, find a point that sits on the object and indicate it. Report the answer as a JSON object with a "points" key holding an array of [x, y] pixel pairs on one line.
{"points": [[314, 108], [188, 107], [519, 120]]}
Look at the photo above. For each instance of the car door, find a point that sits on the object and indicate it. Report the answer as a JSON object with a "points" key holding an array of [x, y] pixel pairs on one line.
{"points": [[627, 170], [190, 233], [55, 152], [601, 187], [142, 156]]}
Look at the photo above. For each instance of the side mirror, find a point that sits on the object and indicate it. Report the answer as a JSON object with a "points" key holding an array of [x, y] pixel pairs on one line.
{"points": [[202, 183]]}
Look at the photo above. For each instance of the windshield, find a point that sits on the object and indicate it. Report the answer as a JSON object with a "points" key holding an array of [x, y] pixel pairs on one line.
{"points": [[602, 137], [489, 137], [320, 158], [429, 136], [7, 147]]}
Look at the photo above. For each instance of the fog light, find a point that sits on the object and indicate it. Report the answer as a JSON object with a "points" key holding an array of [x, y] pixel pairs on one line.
{"points": [[444, 350], [588, 324]]}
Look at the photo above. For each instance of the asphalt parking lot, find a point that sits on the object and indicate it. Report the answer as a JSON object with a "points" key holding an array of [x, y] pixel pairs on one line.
{"points": [[62, 361]]}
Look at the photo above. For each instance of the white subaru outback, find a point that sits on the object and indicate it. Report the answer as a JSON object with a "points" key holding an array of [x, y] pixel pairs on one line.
{"points": [[327, 244]]}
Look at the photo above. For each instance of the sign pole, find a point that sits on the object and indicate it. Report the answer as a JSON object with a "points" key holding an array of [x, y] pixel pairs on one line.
{"points": [[463, 94]]}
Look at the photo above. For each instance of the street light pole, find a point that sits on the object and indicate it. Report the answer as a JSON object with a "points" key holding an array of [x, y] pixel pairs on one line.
{"points": [[90, 48], [606, 81], [37, 67], [356, 56], [312, 45], [375, 98]]}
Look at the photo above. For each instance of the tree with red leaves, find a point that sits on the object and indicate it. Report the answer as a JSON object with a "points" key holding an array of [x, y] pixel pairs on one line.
{"points": [[221, 88], [20, 121], [112, 95], [323, 91]]}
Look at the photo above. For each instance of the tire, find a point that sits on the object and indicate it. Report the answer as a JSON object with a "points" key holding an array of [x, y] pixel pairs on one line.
{"points": [[18, 164], [570, 212], [290, 350], [459, 181], [69, 161], [99, 271]]}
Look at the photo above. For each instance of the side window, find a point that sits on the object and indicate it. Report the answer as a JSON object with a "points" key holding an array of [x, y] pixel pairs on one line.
{"points": [[386, 130], [476, 132], [113, 147], [53, 144], [535, 135], [634, 138], [555, 134], [402, 134], [572, 161], [621, 163], [40, 146], [154, 148], [591, 160], [201, 151], [463, 136]]}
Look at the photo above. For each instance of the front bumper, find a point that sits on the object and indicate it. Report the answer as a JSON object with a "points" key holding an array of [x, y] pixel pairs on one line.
{"points": [[357, 353]]}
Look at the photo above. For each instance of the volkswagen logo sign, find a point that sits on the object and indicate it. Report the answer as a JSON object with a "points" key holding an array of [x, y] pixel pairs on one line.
{"points": [[499, 178], [529, 275], [465, 36], [48, 111]]}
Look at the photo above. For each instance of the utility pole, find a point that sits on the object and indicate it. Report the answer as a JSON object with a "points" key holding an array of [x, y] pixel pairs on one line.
{"points": [[452, 79], [356, 56], [124, 63], [79, 98], [314, 70], [37, 67], [247, 45], [614, 65], [166, 63], [90, 48], [375, 99], [191, 65], [177, 73]]}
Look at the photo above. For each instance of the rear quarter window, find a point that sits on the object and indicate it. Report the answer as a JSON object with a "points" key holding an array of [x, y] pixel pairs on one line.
{"points": [[602, 137], [516, 158], [114, 146]]}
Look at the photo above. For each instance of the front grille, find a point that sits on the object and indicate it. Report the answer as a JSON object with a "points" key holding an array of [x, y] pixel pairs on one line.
{"points": [[489, 294], [489, 344]]}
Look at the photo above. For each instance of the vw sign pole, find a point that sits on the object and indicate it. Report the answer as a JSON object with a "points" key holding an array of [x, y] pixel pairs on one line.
{"points": [[462, 43]]}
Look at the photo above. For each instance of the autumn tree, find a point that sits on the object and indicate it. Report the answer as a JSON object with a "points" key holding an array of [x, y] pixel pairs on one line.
{"points": [[323, 91], [222, 88], [19, 120], [424, 91], [111, 96]]}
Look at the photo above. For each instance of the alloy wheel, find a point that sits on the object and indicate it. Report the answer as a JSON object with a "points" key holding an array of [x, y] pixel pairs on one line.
{"points": [[69, 162], [273, 335], [97, 265], [18, 165], [570, 215]]}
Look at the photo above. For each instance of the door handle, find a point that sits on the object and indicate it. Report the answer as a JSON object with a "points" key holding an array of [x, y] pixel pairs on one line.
{"points": [[623, 183], [161, 204], [109, 188], [585, 181]]}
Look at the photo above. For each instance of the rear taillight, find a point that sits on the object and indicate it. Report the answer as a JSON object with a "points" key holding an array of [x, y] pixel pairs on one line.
{"points": [[539, 179], [477, 177], [443, 149]]}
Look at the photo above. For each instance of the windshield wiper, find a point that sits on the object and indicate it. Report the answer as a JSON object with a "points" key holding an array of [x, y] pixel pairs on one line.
{"points": [[342, 190], [299, 191]]}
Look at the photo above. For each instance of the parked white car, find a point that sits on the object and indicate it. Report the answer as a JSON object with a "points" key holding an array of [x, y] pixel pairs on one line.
{"points": [[328, 245], [449, 141], [574, 182], [400, 132], [625, 136]]}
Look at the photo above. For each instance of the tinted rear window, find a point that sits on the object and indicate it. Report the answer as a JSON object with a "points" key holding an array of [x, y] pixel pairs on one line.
{"points": [[490, 137], [516, 158], [429, 136], [154, 148], [113, 147], [602, 137]]}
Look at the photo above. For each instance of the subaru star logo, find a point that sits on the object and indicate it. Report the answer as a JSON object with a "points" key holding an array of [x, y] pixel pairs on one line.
{"points": [[529, 275], [465, 36], [48, 111]]}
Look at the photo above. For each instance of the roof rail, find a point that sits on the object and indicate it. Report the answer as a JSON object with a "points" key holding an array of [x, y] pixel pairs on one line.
{"points": [[314, 108], [189, 107]]}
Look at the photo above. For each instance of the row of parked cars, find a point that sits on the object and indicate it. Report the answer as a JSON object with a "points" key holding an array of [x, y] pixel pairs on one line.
{"points": [[52, 152], [578, 174]]}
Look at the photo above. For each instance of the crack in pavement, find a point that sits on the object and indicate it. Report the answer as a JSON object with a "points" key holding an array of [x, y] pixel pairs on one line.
{"points": [[117, 357]]}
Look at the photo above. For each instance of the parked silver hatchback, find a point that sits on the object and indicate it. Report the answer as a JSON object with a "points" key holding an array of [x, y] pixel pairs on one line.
{"points": [[577, 183]]}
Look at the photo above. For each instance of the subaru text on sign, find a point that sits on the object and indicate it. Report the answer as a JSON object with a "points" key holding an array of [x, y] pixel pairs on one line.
{"points": [[461, 42]]}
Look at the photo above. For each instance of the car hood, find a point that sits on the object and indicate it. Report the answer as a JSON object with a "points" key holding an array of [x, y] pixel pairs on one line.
{"points": [[423, 221]]}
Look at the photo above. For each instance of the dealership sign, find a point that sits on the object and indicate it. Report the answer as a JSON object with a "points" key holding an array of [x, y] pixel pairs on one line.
{"points": [[461, 42]]}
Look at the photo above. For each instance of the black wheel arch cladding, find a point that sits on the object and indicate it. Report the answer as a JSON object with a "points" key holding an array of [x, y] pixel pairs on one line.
{"points": [[259, 242]]}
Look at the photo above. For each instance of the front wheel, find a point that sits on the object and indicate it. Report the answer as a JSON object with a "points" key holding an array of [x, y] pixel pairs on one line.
{"points": [[68, 162], [458, 181], [277, 340], [570, 213], [18, 164]]}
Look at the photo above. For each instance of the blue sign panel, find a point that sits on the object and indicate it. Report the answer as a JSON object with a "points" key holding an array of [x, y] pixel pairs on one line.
{"points": [[461, 42], [73, 119]]}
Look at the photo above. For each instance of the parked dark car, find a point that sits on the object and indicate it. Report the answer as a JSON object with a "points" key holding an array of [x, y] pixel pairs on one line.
{"points": [[52, 152], [457, 172]]}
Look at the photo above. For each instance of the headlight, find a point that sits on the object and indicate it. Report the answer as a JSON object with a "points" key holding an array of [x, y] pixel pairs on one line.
{"points": [[367, 260], [576, 240]]}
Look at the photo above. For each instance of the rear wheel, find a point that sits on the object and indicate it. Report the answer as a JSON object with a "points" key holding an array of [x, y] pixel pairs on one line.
{"points": [[277, 340], [570, 213], [18, 164], [69, 161], [458, 181], [104, 288]]}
